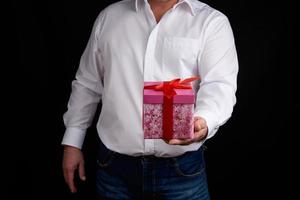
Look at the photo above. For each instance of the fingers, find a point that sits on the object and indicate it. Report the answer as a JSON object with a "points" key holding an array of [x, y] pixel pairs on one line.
{"points": [[200, 129], [72, 161], [69, 178], [200, 132], [198, 136], [181, 141], [82, 171], [199, 123], [69, 173]]}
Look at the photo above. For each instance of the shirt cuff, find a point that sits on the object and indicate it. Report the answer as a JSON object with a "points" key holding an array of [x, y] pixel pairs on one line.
{"points": [[211, 122], [74, 137]]}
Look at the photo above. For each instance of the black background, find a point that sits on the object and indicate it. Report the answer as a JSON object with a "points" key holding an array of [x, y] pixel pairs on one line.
{"points": [[251, 157]]}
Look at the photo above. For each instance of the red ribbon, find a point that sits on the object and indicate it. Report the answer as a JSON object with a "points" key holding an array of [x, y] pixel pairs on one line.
{"points": [[168, 88]]}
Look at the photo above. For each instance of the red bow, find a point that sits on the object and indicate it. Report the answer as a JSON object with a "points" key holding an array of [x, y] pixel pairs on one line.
{"points": [[168, 88]]}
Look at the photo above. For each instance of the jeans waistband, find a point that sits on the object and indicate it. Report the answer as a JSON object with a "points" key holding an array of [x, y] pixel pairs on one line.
{"points": [[104, 151]]}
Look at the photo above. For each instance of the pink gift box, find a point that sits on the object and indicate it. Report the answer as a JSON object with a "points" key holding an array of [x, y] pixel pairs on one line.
{"points": [[183, 109]]}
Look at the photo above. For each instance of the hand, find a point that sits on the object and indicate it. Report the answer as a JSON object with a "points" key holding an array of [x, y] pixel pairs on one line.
{"points": [[72, 161], [200, 133]]}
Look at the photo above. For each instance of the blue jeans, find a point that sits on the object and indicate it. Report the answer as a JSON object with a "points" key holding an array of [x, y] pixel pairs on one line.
{"points": [[148, 177]]}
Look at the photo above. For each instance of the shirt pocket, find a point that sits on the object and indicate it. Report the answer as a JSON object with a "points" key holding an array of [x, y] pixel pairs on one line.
{"points": [[179, 57]]}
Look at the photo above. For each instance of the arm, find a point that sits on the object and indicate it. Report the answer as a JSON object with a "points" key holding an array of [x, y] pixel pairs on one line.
{"points": [[86, 93], [218, 69]]}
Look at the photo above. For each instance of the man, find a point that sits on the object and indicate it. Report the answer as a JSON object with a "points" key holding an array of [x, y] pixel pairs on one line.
{"points": [[135, 41]]}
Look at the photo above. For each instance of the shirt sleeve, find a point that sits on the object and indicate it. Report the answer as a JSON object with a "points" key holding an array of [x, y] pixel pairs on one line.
{"points": [[86, 91], [218, 69]]}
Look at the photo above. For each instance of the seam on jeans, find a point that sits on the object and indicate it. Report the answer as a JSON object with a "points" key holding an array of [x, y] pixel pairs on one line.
{"points": [[107, 161], [154, 183], [143, 177], [178, 170]]}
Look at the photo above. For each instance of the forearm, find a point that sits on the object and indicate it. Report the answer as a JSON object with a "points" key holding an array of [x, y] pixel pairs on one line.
{"points": [[215, 102], [82, 106]]}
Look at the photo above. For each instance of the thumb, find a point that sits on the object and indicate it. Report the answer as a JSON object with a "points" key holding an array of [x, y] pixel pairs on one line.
{"points": [[82, 171], [197, 125]]}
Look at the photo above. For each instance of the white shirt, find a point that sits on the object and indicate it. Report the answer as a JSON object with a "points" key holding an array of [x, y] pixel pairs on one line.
{"points": [[127, 47]]}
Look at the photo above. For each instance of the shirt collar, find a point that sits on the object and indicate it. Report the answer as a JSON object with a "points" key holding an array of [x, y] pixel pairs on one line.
{"points": [[140, 3]]}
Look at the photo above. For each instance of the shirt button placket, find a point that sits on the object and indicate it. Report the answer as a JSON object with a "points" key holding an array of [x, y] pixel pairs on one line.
{"points": [[149, 76], [149, 54]]}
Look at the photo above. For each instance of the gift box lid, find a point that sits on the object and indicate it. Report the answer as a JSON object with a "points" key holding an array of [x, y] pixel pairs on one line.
{"points": [[154, 96]]}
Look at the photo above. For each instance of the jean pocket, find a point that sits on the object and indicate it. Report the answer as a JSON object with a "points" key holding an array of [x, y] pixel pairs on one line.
{"points": [[105, 159], [189, 168]]}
